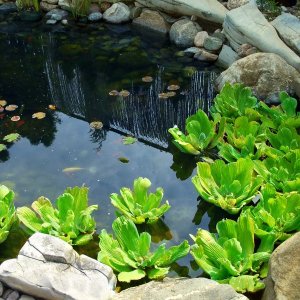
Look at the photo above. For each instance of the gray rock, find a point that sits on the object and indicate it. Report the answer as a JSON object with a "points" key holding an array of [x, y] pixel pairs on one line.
{"points": [[57, 14], [8, 8], [288, 27], [227, 57], [51, 22], [135, 12], [26, 297], [117, 13], [283, 279], [1, 289], [245, 50], [212, 43], [183, 32], [49, 268], [95, 17], [265, 73], [220, 35], [52, 1], [11, 295], [45, 6], [64, 4], [152, 20], [192, 51], [205, 56], [247, 24], [181, 289], [199, 38]]}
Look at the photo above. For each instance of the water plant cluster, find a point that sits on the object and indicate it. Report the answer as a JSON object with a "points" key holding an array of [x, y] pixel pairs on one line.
{"points": [[256, 179]]}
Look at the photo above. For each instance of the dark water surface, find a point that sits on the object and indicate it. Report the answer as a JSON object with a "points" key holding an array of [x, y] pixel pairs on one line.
{"points": [[75, 71]]}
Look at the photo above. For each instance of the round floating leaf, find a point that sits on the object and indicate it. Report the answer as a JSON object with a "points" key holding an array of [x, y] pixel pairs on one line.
{"points": [[3, 102], [96, 125], [2, 147], [171, 94], [52, 107], [10, 138], [39, 115], [163, 96], [15, 118], [113, 93], [123, 160], [173, 87], [128, 140], [147, 79], [11, 107], [124, 93]]}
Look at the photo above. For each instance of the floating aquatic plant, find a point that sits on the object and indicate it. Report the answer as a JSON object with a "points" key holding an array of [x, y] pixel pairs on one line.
{"points": [[130, 256], [128, 140], [39, 115]]}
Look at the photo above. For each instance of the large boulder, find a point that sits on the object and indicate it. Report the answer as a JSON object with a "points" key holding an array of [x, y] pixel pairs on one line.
{"points": [[265, 73], [211, 10], [152, 20], [181, 289], [49, 268], [117, 13], [288, 27], [283, 279], [183, 32], [247, 25]]}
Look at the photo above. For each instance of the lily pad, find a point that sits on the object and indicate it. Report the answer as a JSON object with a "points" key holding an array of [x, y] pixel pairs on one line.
{"points": [[39, 115], [2, 147], [3, 102], [124, 93], [123, 160], [147, 79], [10, 138], [15, 118], [128, 140], [11, 107], [163, 96], [173, 87], [171, 94], [96, 125], [113, 93], [52, 106]]}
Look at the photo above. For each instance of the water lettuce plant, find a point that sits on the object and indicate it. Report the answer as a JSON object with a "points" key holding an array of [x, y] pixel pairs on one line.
{"points": [[276, 217], [202, 133], [7, 212], [71, 220], [229, 257], [139, 205], [229, 186], [129, 253], [233, 101]]}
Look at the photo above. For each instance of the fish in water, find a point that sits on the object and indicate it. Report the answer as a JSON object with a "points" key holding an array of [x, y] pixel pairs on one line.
{"points": [[72, 170]]}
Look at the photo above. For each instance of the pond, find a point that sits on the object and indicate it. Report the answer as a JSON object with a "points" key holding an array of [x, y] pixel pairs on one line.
{"points": [[74, 71]]}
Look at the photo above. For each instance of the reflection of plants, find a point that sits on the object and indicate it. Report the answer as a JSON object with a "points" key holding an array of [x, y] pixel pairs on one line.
{"points": [[202, 133], [229, 186], [230, 257], [129, 254], [7, 212], [137, 204], [71, 220], [277, 217]]}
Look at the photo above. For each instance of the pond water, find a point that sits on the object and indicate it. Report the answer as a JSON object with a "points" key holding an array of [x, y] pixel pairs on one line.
{"points": [[75, 71]]}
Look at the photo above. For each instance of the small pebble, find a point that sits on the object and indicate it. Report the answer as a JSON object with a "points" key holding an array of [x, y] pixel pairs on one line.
{"points": [[64, 22], [51, 22]]}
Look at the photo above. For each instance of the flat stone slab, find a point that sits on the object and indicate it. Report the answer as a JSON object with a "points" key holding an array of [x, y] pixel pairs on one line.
{"points": [[288, 27], [48, 267], [181, 289]]}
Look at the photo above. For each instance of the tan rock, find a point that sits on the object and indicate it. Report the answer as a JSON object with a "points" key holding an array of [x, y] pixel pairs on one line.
{"points": [[265, 73], [45, 6], [205, 56], [199, 38], [232, 4], [52, 1]]}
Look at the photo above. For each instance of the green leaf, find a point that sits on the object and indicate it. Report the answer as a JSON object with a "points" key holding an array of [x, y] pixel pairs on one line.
{"points": [[133, 275], [10, 138], [157, 273], [246, 283], [128, 140], [2, 147]]}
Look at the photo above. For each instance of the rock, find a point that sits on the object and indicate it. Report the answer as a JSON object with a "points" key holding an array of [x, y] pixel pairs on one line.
{"points": [[94, 8], [64, 22], [95, 16], [47, 267], [152, 20], [1, 289], [220, 35], [242, 25], [205, 56], [57, 14], [51, 1], [265, 73], [181, 289], [47, 7], [26, 297], [183, 32], [64, 4], [227, 57], [135, 12], [288, 27], [283, 279], [191, 51], [117, 13], [51, 22], [104, 6], [212, 43], [11, 295], [199, 38], [7, 8], [211, 10], [232, 4], [245, 50]]}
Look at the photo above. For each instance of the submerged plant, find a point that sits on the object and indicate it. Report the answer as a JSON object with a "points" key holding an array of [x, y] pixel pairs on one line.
{"points": [[71, 220], [129, 254], [201, 133], [233, 101], [7, 212], [229, 186], [276, 217], [230, 257], [139, 205]]}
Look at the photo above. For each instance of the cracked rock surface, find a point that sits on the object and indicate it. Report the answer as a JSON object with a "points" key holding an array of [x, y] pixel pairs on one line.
{"points": [[49, 268]]}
